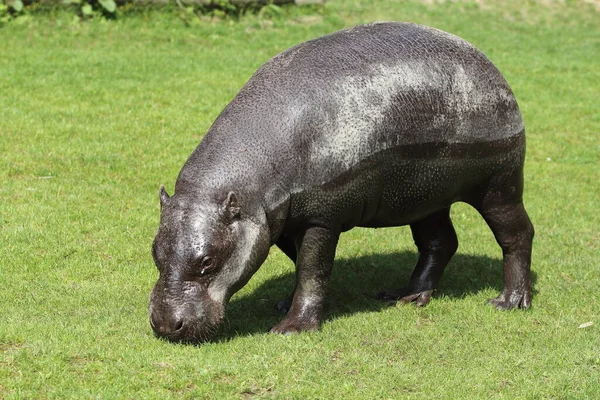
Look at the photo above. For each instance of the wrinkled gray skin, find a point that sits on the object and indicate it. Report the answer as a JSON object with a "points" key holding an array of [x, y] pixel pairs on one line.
{"points": [[385, 124]]}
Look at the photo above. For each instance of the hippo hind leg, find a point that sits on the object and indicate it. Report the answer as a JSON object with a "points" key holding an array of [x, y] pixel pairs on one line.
{"points": [[514, 233], [436, 240], [501, 205]]}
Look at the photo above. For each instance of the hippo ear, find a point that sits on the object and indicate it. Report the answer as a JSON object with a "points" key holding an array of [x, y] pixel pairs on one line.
{"points": [[164, 196], [231, 208]]}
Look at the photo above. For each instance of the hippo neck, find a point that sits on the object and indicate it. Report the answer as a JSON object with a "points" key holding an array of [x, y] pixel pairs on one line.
{"points": [[225, 162]]}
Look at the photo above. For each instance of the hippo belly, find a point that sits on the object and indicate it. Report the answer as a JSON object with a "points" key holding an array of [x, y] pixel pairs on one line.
{"points": [[400, 186]]}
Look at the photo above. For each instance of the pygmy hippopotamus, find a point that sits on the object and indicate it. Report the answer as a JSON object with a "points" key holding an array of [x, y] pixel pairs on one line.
{"points": [[379, 125]]}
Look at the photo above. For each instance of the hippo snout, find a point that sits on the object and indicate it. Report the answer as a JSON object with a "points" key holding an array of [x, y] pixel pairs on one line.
{"points": [[167, 326], [187, 316]]}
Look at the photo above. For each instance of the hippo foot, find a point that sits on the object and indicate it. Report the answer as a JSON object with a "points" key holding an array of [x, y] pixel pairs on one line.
{"points": [[290, 326], [284, 305], [511, 300], [420, 298]]}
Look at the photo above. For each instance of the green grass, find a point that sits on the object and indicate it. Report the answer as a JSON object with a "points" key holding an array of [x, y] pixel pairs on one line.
{"points": [[95, 116]]}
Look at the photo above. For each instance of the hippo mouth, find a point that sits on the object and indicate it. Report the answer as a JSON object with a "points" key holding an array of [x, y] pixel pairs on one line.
{"points": [[191, 323], [194, 332]]}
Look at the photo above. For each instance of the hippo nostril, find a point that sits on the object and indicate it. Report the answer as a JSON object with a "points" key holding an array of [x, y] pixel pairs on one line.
{"points": [[162, 327], [178, 325]]}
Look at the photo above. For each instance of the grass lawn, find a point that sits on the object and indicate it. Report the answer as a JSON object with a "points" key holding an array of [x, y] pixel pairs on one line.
{"points": [[95, 116]]}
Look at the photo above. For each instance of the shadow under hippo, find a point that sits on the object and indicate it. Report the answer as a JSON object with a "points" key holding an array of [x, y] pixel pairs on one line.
{"points": [[354, 285]]}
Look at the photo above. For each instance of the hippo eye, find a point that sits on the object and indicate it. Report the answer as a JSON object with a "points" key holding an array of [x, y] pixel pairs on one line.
{"points": [[207, 265]]}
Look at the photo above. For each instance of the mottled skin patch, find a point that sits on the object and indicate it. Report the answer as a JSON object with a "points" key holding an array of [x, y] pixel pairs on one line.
{"points": [[379, 125]]}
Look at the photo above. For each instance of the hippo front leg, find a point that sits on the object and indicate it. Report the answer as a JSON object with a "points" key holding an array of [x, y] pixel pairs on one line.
{"points": [[287, 244], [316, 252]]}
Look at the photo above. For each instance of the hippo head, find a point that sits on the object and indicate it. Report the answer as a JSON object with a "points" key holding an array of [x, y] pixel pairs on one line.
{"points": [[206, 249]]}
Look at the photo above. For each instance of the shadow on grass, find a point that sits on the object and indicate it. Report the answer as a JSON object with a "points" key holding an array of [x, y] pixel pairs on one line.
{"points": [[354, 284]]}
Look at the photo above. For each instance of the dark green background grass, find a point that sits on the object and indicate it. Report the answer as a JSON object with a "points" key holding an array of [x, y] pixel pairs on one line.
{"points": [[95, 116]]}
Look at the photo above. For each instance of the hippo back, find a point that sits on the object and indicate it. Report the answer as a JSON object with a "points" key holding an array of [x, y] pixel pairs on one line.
{"points": [[315, 111]]}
